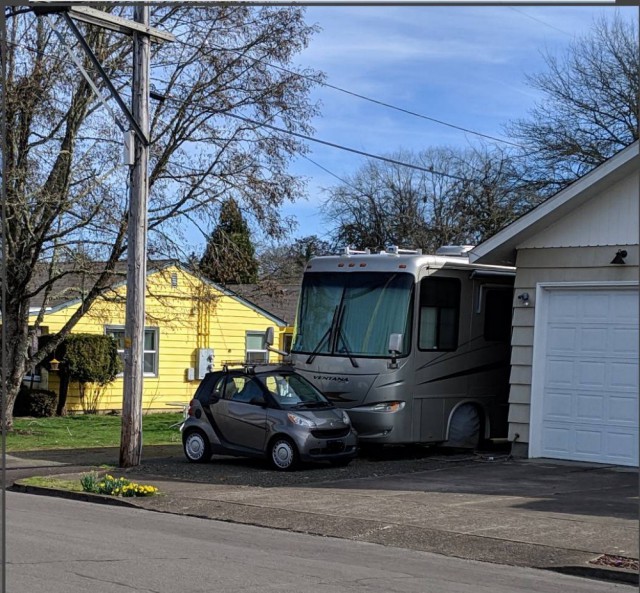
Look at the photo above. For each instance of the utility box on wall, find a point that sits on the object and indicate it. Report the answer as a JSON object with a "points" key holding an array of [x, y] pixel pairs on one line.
{"points": [[205, 361]]}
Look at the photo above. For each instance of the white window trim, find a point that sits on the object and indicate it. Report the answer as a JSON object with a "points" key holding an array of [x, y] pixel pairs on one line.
{"points": [[255, 332], [156, 352]]}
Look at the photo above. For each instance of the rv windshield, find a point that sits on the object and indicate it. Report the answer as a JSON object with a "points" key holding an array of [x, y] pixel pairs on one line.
{"points": [[353, 314]]}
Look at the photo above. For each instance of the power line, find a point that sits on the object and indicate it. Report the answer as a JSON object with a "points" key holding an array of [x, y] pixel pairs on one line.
{"points": [[281, 130], [533, 18], [319, 141], [359, 96]]}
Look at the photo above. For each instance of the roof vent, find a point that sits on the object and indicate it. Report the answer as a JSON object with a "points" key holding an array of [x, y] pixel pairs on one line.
{"points": [[455, 250]]}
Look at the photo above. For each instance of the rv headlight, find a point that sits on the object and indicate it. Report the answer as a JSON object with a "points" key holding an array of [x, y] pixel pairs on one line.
{"points": [[388, 407], [345, 417], [300, 420]]}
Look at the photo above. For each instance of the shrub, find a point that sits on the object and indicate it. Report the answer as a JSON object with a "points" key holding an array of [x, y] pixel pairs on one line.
{"points": [[40, 403], [93, 361]]}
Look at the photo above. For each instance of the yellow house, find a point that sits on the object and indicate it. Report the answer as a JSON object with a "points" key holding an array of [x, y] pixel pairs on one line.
{"points": [[191, 326]]}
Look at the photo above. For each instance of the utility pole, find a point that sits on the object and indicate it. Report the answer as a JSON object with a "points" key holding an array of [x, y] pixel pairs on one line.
{"points": [[131, 435], [138, 119]]}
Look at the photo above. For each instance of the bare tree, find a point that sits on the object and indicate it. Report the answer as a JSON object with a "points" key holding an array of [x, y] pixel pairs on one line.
{"points": [[229, 69], [381, 204], [285, 263], [590, 104], [460, 197]]}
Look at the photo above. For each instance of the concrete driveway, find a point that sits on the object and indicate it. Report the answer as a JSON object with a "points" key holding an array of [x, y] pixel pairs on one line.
{"points": [[537, 513]]}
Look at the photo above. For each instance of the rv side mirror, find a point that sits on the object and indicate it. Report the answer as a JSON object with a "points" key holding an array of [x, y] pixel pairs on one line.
{"points": [[268, 337], [395, 343], [395, 347]]}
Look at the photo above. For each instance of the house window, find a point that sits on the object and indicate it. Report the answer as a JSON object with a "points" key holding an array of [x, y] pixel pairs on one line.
{"points": [[150, 355], [256, 351], [439, 312]]}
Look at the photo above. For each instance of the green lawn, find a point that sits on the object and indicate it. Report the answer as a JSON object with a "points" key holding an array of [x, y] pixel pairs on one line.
{"points": [[75, 432]]}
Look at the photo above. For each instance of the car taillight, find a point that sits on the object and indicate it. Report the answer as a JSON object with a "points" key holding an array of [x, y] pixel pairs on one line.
{"points": [[190, 411]]}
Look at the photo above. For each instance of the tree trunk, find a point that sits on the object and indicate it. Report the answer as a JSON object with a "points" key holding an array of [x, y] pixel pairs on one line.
{"points": [[17, 334], [63, 390]]}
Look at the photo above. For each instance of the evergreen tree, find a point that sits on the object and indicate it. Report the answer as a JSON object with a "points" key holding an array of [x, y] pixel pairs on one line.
{"points": [[229, 257]]}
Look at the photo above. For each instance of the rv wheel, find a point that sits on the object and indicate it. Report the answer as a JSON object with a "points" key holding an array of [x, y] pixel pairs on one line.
{"points": [[464, 428]]}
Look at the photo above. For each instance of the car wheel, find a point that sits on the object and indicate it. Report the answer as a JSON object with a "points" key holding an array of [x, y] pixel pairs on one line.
{"points": [[196, 447], [283, 454]]}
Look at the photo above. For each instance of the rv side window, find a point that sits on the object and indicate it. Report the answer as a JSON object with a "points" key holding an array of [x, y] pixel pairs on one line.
{"points": [[439, 312], [497, 315]]}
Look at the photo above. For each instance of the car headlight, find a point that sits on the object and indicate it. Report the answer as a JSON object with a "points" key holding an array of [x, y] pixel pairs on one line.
{"points": [[300, 420], [345, 417]]}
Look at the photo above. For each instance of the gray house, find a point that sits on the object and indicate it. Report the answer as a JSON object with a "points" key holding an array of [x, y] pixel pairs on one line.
{"points": [[574, 361]]}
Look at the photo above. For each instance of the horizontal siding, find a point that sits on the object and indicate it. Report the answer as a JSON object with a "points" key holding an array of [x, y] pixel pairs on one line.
{"points": [[520, 394], [519, 413], [189, 316], [520, 375], [522, 336], [579, 262], [521, 355]]}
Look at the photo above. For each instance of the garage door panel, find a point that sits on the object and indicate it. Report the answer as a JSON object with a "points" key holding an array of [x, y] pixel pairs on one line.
{"points": [[560, 374], [590, 407], [624, 341], [588, 442], [625, 309], [592, 341], [557, 440], [559, 406], [594, 308], [591, 374], [563, 307], [561, 339], [589, 391], [620, 448], [624, 376], [622, 411]]}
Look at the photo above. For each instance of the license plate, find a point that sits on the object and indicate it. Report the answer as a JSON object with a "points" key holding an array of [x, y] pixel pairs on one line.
{"points": [[335, 446]]}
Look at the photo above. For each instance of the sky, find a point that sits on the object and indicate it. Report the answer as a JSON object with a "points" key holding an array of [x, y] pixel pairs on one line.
{"points": [[462, 65]]}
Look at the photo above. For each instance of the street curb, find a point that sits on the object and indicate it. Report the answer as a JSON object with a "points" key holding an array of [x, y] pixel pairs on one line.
{"points": [[584, 571], [70, 495], [596, 572]]}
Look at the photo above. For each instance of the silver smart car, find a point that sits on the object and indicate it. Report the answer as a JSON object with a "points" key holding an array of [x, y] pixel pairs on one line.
{"points": [[266, 411]]}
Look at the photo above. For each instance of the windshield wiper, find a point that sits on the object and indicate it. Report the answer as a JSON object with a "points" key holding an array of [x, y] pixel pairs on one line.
{"points": [[327, 335], [340, 336]]}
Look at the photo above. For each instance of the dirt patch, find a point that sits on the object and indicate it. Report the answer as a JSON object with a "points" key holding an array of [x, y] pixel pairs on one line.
{"points": [[616, 562]]}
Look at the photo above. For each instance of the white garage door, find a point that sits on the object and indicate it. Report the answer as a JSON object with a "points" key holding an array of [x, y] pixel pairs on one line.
{"points": [[589, 379]]}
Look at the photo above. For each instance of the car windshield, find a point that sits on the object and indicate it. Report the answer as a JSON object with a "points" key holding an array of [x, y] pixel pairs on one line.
{"points": [[293, 391]]}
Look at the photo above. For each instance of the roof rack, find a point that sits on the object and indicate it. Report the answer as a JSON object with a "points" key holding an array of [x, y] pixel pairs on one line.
{"points": [[395, 250], [348, 251], [249, 366]]}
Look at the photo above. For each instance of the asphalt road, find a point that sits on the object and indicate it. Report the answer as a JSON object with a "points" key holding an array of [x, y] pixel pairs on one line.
{"points": [[62, 546]]}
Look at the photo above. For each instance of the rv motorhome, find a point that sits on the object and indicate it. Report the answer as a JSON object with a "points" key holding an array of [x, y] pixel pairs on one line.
{"points": [[414, 347]]}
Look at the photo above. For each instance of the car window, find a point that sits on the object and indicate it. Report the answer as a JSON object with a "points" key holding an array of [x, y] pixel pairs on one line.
{"points": [[240, 388], [208, 389]]}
